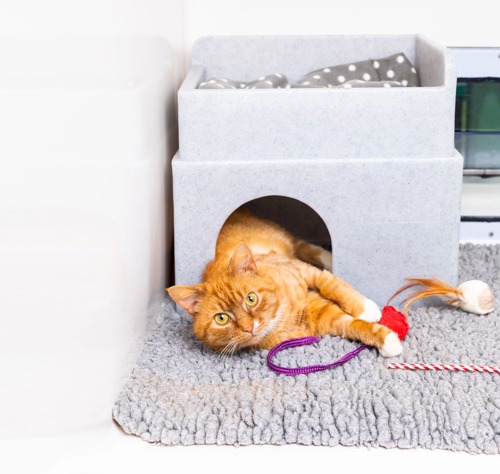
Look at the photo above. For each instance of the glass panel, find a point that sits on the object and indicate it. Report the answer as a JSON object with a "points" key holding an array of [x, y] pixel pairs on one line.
{"points": [[477, 122]]}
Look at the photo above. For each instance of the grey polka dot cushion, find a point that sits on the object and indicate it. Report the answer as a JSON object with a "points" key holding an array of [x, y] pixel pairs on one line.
{"points": [[397, 68], [221, 83], [338, 75], [272, 81], [391, 71]]}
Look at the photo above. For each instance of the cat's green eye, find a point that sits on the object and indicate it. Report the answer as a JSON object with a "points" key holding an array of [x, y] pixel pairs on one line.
{"points": [[251, 299], [221, 318]]}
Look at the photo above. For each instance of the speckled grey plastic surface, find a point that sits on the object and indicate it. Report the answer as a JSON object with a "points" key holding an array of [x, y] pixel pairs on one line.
{"points": [[315, 123], [388, 218], [181, 393]]}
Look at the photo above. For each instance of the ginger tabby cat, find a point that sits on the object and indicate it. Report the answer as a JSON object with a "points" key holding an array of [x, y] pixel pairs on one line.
{"points": [[264, 287]]}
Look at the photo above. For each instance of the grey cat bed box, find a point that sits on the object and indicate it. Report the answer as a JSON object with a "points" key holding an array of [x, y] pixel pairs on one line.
{"points": [[377, 165], [307, 123]]}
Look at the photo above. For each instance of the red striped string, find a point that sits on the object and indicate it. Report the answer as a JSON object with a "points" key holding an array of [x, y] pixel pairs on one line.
{"points": [[451, 367]]}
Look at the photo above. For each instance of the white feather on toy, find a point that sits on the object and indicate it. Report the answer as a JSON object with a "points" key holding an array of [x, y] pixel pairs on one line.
{"points": [[473, 296]]}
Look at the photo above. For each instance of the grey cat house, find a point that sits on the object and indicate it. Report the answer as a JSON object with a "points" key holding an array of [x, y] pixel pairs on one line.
{"points": [[377, 165]]}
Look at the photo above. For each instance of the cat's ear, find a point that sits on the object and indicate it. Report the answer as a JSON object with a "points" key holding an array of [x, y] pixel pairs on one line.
{"points": [[187, 297], [242, 260]]}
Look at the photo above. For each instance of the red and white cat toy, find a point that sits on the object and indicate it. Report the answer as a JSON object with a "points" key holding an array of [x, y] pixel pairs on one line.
{"points": [[473, 296]]}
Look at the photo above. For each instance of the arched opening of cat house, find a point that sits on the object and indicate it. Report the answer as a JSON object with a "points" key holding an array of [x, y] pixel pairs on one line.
{"points": [[299, 219]]}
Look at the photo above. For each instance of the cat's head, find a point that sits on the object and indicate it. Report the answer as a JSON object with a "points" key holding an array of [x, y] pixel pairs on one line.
{"points": [[238, 308]]}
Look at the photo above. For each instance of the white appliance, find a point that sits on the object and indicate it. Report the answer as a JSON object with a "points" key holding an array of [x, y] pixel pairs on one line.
{"points": [[477, 137]]}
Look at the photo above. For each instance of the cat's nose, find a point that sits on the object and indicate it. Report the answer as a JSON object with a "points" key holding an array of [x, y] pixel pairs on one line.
{"points": [[249, 329]]}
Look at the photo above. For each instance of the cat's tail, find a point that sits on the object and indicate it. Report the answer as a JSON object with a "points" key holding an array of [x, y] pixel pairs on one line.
{"points": [[313, 254]]}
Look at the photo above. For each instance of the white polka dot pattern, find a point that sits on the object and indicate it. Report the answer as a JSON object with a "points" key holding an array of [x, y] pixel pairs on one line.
{"points": [[392, 71]]}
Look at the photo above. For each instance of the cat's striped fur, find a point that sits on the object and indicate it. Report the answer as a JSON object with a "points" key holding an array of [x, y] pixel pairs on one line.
{"points": [[264, 286]]}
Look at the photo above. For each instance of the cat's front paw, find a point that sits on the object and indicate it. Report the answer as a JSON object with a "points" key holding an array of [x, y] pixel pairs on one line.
{"points": [[392, 345], [371, 312]]}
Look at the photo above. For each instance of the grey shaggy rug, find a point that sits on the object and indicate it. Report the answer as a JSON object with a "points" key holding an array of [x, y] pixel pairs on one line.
{"points": [[181, 393]]}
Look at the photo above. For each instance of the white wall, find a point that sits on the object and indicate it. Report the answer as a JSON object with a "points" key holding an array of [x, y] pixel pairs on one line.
{"points": [[100, 17], [457, 23], [451, 23]]}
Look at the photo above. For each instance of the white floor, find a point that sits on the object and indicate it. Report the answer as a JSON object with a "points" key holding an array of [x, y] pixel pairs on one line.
{"points": [[107, 450]]}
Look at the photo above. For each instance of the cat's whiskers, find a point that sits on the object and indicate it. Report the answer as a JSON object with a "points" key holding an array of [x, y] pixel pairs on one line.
{"points": [[233, 350], [224, 357], [229, 353], [230, 348], [227, 348]]}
